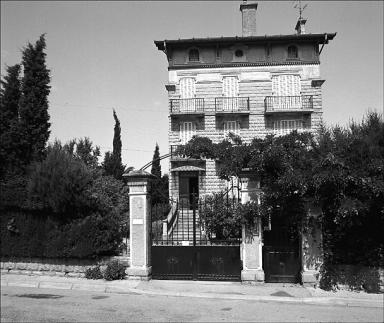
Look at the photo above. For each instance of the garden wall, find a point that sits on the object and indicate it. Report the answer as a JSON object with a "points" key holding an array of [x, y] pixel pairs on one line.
{"points": [[70, 267]]}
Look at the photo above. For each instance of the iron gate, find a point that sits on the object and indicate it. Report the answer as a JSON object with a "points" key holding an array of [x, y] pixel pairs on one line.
{"points": [[182, 247], [281, 257]]}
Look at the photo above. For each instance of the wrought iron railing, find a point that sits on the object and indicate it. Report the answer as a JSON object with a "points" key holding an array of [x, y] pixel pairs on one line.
{"points": [[285, 131], [175, 152], [288, 103], [193, 105], [232, 104]]}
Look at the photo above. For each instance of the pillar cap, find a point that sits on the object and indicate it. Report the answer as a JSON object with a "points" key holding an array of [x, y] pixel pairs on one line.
{"points": [[138, 174]]}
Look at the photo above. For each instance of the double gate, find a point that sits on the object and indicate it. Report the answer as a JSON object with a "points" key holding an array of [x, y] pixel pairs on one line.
{"points": [[182, 248]]}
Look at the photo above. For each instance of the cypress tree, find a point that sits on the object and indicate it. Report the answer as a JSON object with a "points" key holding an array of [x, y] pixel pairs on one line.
{"points": [[9, 112], [112, 161], [156, 167], [156, 188], [35, 88]]}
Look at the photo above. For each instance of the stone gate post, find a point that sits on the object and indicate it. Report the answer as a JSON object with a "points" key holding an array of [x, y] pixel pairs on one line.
{"points": [[251, 248], [139, 225]]}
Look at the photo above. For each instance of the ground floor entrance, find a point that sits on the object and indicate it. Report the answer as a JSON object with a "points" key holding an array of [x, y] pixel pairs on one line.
{"points": [[281, 252], [188, 188], [181, 247]]}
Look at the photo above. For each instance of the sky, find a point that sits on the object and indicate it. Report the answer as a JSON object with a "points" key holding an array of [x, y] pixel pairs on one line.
{"points": [[101, 56]]}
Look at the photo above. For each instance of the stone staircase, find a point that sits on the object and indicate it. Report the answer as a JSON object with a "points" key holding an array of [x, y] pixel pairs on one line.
{"points": [[183, 230]]}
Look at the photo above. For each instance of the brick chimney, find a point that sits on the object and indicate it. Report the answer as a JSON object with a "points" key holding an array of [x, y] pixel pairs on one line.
{"points": [[248, 15]]}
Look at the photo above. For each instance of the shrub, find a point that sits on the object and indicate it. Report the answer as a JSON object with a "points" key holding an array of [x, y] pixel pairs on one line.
{"points": [[34, 234], [355, 277], [13, 191], [217, 215], [93, 273], [93, 236], [59, 184], [114, 271]]}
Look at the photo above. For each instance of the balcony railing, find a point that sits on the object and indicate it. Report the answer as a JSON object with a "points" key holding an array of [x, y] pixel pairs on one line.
{"points": [[174, 151], [193, 105], [302, 103], [285, 131], [232, 104]]}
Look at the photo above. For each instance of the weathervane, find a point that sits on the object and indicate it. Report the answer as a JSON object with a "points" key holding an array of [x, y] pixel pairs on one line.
{"points": [[298, 6]]}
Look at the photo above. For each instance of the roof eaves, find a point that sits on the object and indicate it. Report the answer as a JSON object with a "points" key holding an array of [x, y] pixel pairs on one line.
{"points": [[319, 37]]}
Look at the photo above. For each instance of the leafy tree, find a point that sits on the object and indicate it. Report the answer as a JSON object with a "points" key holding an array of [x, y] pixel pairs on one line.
{"points": [[82, 149], [35, 88], [9, 112], [112, 161], [59, 183]]}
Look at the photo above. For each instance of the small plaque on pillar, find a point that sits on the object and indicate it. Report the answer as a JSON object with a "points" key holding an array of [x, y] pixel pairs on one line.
{"points": [[137, 221]]}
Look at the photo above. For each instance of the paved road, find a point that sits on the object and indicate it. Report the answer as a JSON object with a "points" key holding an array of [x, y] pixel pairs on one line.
{"points": [[32, 304]]}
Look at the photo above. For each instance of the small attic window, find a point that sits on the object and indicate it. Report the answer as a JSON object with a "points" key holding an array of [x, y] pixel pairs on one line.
{"points": [[194, 55], [292, 52], [239, 53]]}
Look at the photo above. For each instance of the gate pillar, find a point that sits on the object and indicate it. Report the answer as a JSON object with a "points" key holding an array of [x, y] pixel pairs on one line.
{"points": [[139, 225], [251, 246]]}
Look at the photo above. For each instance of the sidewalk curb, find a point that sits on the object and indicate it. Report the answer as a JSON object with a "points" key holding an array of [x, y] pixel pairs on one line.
{"points": [[113, 288]]}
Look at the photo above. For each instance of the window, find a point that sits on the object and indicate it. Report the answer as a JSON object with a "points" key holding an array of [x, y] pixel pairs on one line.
{"points": [[239, 53], [194, 55], [230, 93], [187, 94], [286, 91], [187, 88], [187, 131], [286, 85], [283, 127], [231, 126], [230, 86], [292, 52]]}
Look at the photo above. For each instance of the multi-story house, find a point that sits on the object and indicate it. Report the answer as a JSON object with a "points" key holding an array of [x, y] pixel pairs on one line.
{"points": [[250, 85]]}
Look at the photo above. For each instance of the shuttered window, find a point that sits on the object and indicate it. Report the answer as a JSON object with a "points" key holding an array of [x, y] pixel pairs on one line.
{"points": [[286, 91], [286, 85], [187, 131], [187, 88], [286, 126], [230, 86], [230, 93], [187, 94]]}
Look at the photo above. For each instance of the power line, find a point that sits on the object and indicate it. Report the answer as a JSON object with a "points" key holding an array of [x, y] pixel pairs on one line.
{"points": [[146, 151], [67, 105]]}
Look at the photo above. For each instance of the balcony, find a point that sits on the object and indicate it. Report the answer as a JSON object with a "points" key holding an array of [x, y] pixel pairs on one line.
{"points": [[236, 105], [285, 131], [175, 155], [186, 106], [281, 104]]}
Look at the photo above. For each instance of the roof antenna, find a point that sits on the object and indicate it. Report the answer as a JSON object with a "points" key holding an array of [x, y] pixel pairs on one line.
{"points": [[301, 21], [300, 7]]}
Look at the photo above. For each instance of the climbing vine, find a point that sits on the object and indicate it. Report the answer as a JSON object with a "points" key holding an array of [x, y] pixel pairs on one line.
{"points": [[340, 170]]}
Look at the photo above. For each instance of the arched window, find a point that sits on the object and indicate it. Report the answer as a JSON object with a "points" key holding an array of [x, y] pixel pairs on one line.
{"points": [[292, 52], [194, 55]]}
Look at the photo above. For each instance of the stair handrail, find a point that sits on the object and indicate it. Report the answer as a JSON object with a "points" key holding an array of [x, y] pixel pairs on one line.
{"points": [[172, 217], [171, 220]]}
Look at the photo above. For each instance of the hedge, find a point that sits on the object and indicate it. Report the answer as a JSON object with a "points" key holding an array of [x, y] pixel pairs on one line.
{"points": [[35, 234]]}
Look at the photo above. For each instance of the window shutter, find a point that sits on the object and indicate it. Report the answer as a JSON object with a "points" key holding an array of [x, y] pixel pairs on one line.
{"points": [[230, 86], [187, 88], [286, 85], [187, 131]]}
